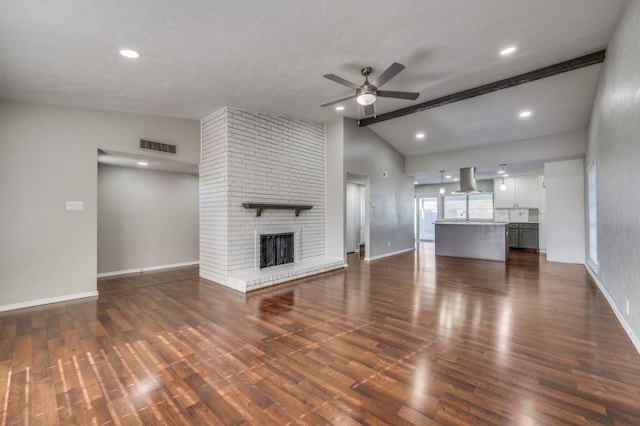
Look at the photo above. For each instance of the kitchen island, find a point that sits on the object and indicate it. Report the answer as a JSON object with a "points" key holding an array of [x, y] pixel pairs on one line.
{"points": [[475, 240]]}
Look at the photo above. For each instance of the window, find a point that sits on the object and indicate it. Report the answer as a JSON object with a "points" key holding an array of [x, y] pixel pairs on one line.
{"points": [[471, 206], [455, 207], [593, 216], [481, 206]]}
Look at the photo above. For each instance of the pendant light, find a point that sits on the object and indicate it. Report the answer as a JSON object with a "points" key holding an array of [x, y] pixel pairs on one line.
{"points": [[442, 181], [503, 186]]}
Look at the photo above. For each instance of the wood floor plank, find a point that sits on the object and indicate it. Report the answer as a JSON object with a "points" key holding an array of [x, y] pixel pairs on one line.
{"points": [[412, 339]]}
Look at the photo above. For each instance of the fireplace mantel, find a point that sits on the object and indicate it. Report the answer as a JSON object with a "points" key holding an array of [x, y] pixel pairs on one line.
{"points": [[274, 206]]}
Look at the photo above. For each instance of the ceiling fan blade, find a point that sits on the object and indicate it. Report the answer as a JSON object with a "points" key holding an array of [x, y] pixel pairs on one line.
{"points": [[337, 101], [341, 80], [388, 74], [399, 95], [369, 110]]}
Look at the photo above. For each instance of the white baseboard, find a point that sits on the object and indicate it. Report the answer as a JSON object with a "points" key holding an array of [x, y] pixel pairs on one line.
{"points": [[621, 319], [47, 301], [369, 259], [146, 269]]}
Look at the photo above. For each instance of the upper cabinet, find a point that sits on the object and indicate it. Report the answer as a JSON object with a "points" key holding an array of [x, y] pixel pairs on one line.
{"points": [[522, 192], [507, 198]]}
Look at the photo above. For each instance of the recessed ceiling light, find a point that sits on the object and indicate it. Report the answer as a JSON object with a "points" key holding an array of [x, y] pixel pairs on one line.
{"points": [[340, 108], [456, 179], [415, 183], [447, 177], [420, 135], [525, 114], [128, 53], [507, 51], [142, 163], [505, 175]]}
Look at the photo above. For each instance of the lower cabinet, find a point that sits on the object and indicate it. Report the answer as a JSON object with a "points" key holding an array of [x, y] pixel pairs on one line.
{"points": [[514, 235], [523, 235]]}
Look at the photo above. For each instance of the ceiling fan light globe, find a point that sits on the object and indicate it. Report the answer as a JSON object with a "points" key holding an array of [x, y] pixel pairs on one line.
{"points": [[366, 98]]}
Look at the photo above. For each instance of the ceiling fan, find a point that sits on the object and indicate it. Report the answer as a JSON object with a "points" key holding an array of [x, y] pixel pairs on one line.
{"points": [[367, 93]]}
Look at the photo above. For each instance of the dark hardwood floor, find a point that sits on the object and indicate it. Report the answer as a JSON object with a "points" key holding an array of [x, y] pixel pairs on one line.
{"points": [[411, 339]]}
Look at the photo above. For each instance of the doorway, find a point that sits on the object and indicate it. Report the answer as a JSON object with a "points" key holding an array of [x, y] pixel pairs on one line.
{"points": [[355, 220], [426, 216]]}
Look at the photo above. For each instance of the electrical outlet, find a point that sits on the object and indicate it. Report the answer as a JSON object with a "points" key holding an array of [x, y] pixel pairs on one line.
{"points": [[626, 307], [75, 205]]}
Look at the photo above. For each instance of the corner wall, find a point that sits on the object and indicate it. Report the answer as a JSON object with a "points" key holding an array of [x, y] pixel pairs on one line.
{"points": [[390, 198], [614, 145], [49, 155]]}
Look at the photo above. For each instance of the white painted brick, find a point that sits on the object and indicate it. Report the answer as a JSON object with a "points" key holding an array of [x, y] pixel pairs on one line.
{"points": [[256, 157]]}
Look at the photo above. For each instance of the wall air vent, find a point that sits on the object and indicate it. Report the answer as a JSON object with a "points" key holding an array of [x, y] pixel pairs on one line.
{"points": [[158, 146]]}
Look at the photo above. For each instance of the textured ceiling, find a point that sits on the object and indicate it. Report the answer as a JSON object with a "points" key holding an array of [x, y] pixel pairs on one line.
{"points": [[270, 56]]}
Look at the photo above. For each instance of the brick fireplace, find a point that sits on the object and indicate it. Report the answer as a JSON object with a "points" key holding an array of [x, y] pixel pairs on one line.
{"points": [[250, 157]]}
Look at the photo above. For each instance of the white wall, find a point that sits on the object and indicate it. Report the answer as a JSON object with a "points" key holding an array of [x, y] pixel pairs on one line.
{"points": [[335, 189], [614, 144], [564, 220], [389, 212], [48, 155], [146, 218], [214, 198], [562, 146]]}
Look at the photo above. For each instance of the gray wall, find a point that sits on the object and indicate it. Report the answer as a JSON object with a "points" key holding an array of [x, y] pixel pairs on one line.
{"points": [[48, 155], [614, 144], [434, 189], [389, 203], [335, 189], [146, 218]]}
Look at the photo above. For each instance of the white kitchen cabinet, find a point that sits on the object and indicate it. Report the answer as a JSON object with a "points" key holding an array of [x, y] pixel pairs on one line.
{"points": [[522, 193], [527, 193], [507, 198]]}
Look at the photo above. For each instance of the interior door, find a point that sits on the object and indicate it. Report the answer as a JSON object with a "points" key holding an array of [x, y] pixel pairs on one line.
{"points": [[426, 215]]}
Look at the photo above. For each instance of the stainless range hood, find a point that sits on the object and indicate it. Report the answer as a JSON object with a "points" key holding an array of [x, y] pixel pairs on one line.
{"points": [[467, 181]]}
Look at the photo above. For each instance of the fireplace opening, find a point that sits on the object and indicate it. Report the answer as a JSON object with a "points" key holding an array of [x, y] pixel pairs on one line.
{"points": [[276, 249]]}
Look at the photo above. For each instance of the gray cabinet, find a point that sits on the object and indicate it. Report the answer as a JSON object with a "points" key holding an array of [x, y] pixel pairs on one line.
{"points": [[514, 235], [523, 235]]}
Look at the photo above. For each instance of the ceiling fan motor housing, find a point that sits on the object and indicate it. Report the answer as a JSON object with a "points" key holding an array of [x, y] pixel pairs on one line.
{"points": [[366, 94]]}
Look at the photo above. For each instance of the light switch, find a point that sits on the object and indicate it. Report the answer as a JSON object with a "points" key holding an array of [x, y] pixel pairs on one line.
{"points": [[75, 205]]}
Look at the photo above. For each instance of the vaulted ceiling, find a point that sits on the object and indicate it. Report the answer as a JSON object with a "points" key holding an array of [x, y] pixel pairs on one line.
{"points": [[199, 55]]}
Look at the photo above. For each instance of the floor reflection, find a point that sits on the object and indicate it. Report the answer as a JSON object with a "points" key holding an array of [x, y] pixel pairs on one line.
{"points": [[412, 338]]}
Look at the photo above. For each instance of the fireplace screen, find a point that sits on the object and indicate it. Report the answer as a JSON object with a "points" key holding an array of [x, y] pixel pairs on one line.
{"points": [[276, 249]]}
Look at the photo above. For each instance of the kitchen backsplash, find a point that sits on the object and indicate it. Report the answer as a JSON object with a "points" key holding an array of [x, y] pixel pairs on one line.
{"points": [[515, 215]]}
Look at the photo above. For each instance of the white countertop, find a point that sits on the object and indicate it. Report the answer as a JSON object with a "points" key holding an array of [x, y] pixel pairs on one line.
{"points": [[463, 222]]}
